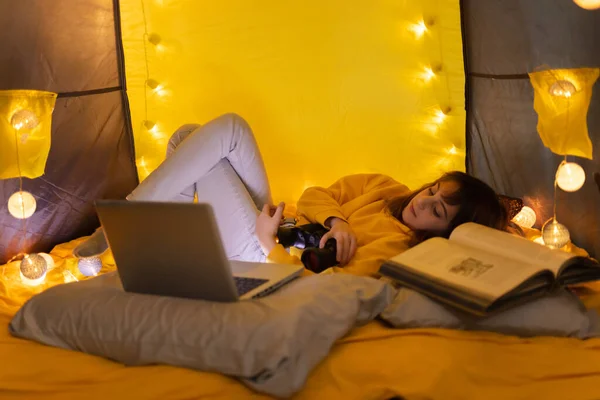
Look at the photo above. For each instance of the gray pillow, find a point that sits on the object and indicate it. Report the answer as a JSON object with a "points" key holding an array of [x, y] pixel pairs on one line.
{"points": [[558, 314], [271, 344]]}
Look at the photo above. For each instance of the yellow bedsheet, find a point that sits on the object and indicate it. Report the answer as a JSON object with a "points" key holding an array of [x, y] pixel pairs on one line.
{"points": [[372, 362]]}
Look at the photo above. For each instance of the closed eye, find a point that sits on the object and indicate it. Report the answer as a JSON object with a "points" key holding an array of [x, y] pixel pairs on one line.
{"points": [[436, 213]]}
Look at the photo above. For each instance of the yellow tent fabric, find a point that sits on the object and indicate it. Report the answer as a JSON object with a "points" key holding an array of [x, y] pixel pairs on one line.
{"points": [[25, 134], [562, 116], [330, 88]]}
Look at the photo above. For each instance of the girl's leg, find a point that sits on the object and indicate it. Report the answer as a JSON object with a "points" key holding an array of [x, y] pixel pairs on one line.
{"points": [[221, 161], [228, 136], [188, 194], [234, 211]]}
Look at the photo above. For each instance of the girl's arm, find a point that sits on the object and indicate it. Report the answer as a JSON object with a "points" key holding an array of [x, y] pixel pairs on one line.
{"points": [[322, 205], [267, 224]]}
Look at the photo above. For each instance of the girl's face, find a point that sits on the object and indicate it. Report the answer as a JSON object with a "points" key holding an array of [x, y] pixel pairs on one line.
{"points": [[428, 211]]}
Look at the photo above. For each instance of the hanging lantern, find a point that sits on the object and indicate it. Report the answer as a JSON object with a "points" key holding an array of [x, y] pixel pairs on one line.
{"points": [[25, 125], [49, 260], [588, 4], [21, 205], [561, 99], [563, 88], [33, 269], [89, 266], [570, 177], [24, 119], [555, 234], [525, 218]]}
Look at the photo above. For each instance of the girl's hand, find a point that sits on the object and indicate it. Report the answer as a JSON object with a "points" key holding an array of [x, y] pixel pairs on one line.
{"points": [[267, 224], [345, 240]]}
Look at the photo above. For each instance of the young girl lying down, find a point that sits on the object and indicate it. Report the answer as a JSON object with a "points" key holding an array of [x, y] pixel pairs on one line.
{"points": [[371, 216]]}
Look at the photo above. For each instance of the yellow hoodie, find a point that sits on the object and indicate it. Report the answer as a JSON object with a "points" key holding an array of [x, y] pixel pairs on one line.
{"points": [[360, 201]]}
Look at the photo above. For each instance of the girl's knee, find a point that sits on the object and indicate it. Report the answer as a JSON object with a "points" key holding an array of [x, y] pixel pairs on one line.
{"points": [[236, 119], [180, 134]]}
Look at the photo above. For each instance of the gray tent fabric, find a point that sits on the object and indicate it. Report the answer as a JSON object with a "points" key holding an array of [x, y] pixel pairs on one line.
{"points": [[504, 40], [70, 47]]}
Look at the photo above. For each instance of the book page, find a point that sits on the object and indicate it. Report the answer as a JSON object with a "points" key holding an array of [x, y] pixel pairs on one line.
{"points": [[474, 270], [529, 253]]}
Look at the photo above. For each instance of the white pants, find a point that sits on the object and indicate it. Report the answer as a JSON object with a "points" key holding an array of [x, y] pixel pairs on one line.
{"points": [[221, 163]]}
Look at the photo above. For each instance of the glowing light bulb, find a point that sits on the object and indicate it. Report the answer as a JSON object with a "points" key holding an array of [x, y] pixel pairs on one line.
{"points": [[49, 260], [69, 277], [156, 87], [143, 166], [539, 240], [555, 234], [418, 29], [142, 162], [160, 90], [525, 218], [150, 126], [588, 4], [427, 74], [562, 88], [21, 205], [453, 150], [570, 177], [439, 116], [33, 269], [24, 119], [89, 266]]}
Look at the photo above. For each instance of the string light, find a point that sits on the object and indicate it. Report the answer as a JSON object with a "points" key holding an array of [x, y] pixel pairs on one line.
{"points": [[150, 126], [49, 260], [427, 74], [570, 177], [440, 116], [156, 87], [24, 119], [453, 150], [156, 40], [152, 87], [152, 84], [588, 4], [89, 266], [143, 165], [555, 234], [33, 269], [21, 205], [562, 88], [153, 128], [418, 29], [525, 218]]}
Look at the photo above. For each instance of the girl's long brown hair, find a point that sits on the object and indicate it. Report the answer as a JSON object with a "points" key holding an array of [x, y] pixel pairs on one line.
{"points": [[476, 200]]}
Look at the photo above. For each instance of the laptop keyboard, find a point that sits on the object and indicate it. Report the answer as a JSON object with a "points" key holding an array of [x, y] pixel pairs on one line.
{"points": [[244, 285]]}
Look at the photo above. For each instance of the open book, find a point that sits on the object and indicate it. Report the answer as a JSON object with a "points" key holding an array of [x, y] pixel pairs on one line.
{"points": [[482, 270]]}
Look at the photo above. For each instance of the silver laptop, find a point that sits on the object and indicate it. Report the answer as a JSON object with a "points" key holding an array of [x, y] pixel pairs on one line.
{"points": [[174, 249]]}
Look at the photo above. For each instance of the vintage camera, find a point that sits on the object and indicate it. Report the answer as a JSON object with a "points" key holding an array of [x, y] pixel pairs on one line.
{"points": [[308, 237]]}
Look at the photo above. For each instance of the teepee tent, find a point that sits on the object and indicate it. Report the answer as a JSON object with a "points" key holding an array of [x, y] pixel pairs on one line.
{"points": [[91, 90]]}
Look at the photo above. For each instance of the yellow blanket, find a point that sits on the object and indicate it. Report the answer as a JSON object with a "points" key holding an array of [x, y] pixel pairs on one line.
{"points": [[372, 362]]}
